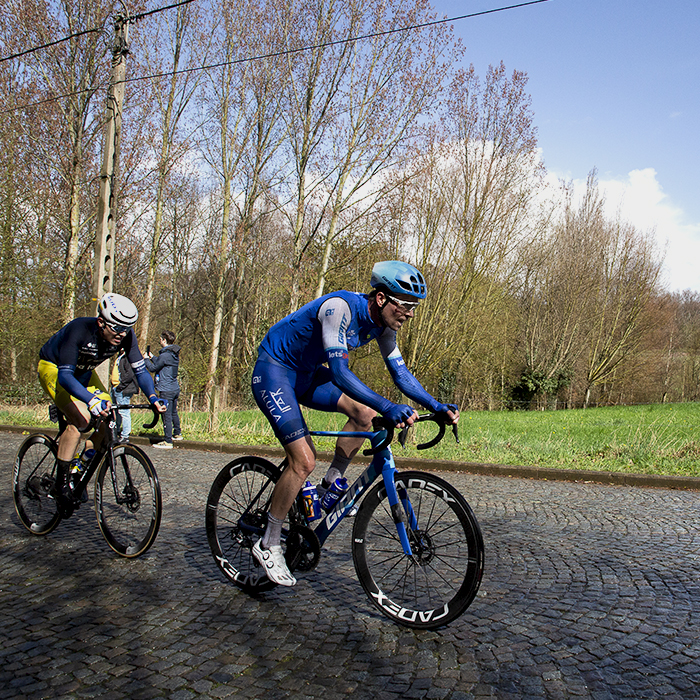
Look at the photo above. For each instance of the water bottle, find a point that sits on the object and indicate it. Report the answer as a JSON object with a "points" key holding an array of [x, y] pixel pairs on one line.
{"points": [[312, 506], [334, 493], [80, 465]]}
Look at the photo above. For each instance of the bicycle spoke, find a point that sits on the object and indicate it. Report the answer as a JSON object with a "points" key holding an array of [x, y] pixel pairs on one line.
{"points": [[438, 581], [34, 478], [128, 501]]}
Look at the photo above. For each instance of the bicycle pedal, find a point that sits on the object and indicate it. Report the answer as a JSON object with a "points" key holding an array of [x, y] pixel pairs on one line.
{"points": [[39, 486], [65, 507]]}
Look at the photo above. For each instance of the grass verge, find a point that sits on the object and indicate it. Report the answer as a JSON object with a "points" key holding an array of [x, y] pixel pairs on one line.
{"points": [[652, 439]]}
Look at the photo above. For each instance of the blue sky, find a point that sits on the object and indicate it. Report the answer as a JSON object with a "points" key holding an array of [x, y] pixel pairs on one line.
{"points": [[615, 86]]}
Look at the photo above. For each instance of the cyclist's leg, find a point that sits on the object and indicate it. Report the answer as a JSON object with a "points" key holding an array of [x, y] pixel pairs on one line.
{"points": [[301, 458], [76, 419], [275, 392], [325, 396], [359, 419], [275, 389], [95, 386], [76, 415]]}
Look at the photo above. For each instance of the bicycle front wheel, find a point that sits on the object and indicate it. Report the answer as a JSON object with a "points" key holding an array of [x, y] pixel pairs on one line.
{"points": [[33, 484], [439, 580], [128, 501], [236, 519]]}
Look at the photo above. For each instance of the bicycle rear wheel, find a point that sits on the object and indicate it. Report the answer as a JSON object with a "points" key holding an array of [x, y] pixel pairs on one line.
{"points": [[33, 482], [236, 518], [438, 582], [128, 501]]}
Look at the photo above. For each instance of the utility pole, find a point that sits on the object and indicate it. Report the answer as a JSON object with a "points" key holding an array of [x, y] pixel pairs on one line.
{"points": [[103, 274], [107, 203]]}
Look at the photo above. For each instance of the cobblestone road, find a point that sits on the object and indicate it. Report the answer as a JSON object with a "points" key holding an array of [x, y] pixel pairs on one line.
{"points": [[589, 592]]}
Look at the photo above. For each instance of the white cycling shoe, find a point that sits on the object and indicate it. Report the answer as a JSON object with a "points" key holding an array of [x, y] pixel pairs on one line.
{"points": [[272, 560]]}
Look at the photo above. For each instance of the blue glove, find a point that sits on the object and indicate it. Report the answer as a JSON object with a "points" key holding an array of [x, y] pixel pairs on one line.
{"points": [[162, 402], [97, 405], [398, 413], [445, 407]]}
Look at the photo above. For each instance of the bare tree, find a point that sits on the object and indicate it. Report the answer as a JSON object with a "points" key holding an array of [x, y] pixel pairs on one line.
{"points": [[172, 93], [243, 104], [394, 78], [316, 78], [70, 73], [473, 203], [626, 282], [558, 294]]}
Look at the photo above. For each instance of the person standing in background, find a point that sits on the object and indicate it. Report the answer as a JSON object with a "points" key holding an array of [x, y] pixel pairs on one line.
{"points": [[122, 392], [165, 367]]}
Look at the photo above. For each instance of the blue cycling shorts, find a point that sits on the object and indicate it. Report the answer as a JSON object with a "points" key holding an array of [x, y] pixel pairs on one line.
{"points": [[279, 391]]}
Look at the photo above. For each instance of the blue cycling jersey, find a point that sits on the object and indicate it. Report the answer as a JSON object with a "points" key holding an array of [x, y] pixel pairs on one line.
{"points": [[324, 330], [78, 348], [301, 340]]}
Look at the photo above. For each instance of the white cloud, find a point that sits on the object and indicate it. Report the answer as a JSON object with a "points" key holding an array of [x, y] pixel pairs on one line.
{"points": [[640, 200]]}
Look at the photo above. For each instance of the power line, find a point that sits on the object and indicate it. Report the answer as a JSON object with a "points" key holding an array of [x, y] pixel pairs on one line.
{"points": [[373, 35], [141, 15], [274, 54], [51, 43], [135, 18]]}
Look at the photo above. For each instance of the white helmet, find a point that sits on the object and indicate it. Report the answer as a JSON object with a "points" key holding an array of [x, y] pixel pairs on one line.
{"points": [[118, 310]]}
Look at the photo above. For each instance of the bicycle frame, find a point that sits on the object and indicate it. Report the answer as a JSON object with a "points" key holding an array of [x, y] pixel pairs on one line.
{"points": [[107, 446], [383, 465]]}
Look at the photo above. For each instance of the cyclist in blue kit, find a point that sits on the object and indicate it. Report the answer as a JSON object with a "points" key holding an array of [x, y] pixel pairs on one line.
{"points": [[303, 359], [66, 372]]}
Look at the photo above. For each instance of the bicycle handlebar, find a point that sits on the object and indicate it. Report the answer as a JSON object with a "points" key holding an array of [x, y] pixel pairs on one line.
{"points": [[381, 423], [156, 414]]}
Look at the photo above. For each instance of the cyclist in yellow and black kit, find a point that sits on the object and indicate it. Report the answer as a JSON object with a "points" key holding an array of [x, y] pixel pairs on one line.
{"points": [[66, 372]]}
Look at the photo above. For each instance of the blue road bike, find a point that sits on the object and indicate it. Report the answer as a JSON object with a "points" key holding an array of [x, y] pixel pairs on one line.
{"points": [[416, 544]]}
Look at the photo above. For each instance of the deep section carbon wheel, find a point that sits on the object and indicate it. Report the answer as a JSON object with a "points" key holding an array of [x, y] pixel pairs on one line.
{"points": [[128, 501], [33, 484], [439, 580]]}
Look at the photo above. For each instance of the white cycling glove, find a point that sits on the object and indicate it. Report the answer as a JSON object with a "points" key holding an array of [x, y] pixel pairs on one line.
{"points": [[97, 405]]}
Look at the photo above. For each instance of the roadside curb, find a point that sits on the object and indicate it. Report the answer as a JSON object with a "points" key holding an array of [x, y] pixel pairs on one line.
{"points": [[521, 472]]}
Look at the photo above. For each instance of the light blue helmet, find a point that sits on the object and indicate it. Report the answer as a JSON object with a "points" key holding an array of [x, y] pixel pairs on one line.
{"points": [[399, 278]]}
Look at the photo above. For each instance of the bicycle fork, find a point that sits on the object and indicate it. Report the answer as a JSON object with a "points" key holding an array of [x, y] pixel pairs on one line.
{"points": [[401, 509]]}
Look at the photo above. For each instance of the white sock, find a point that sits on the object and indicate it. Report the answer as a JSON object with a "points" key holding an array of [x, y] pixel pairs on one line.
{"points": [[273, 532]]}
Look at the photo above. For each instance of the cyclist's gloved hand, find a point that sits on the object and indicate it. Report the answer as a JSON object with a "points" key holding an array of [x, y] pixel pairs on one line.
{"points": [[160, 404], [97, 405], [446, 407], [398, 413]]}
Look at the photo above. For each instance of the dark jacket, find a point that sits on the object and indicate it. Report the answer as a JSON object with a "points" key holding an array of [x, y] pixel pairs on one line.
{"points": [[127, 380], [165, 367]]}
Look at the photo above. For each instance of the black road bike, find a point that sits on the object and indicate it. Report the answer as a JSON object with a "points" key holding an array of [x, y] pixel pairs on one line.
{"points": [[416, 544], [128, 501]]}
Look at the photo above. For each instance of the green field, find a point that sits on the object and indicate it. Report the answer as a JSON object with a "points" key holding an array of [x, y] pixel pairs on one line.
{"points": [[652, 439]]}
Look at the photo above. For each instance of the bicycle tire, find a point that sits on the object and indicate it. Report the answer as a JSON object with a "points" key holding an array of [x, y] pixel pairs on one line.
{"points": [[231, 538], [128, 501], [438, 582], [36, 460]]}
